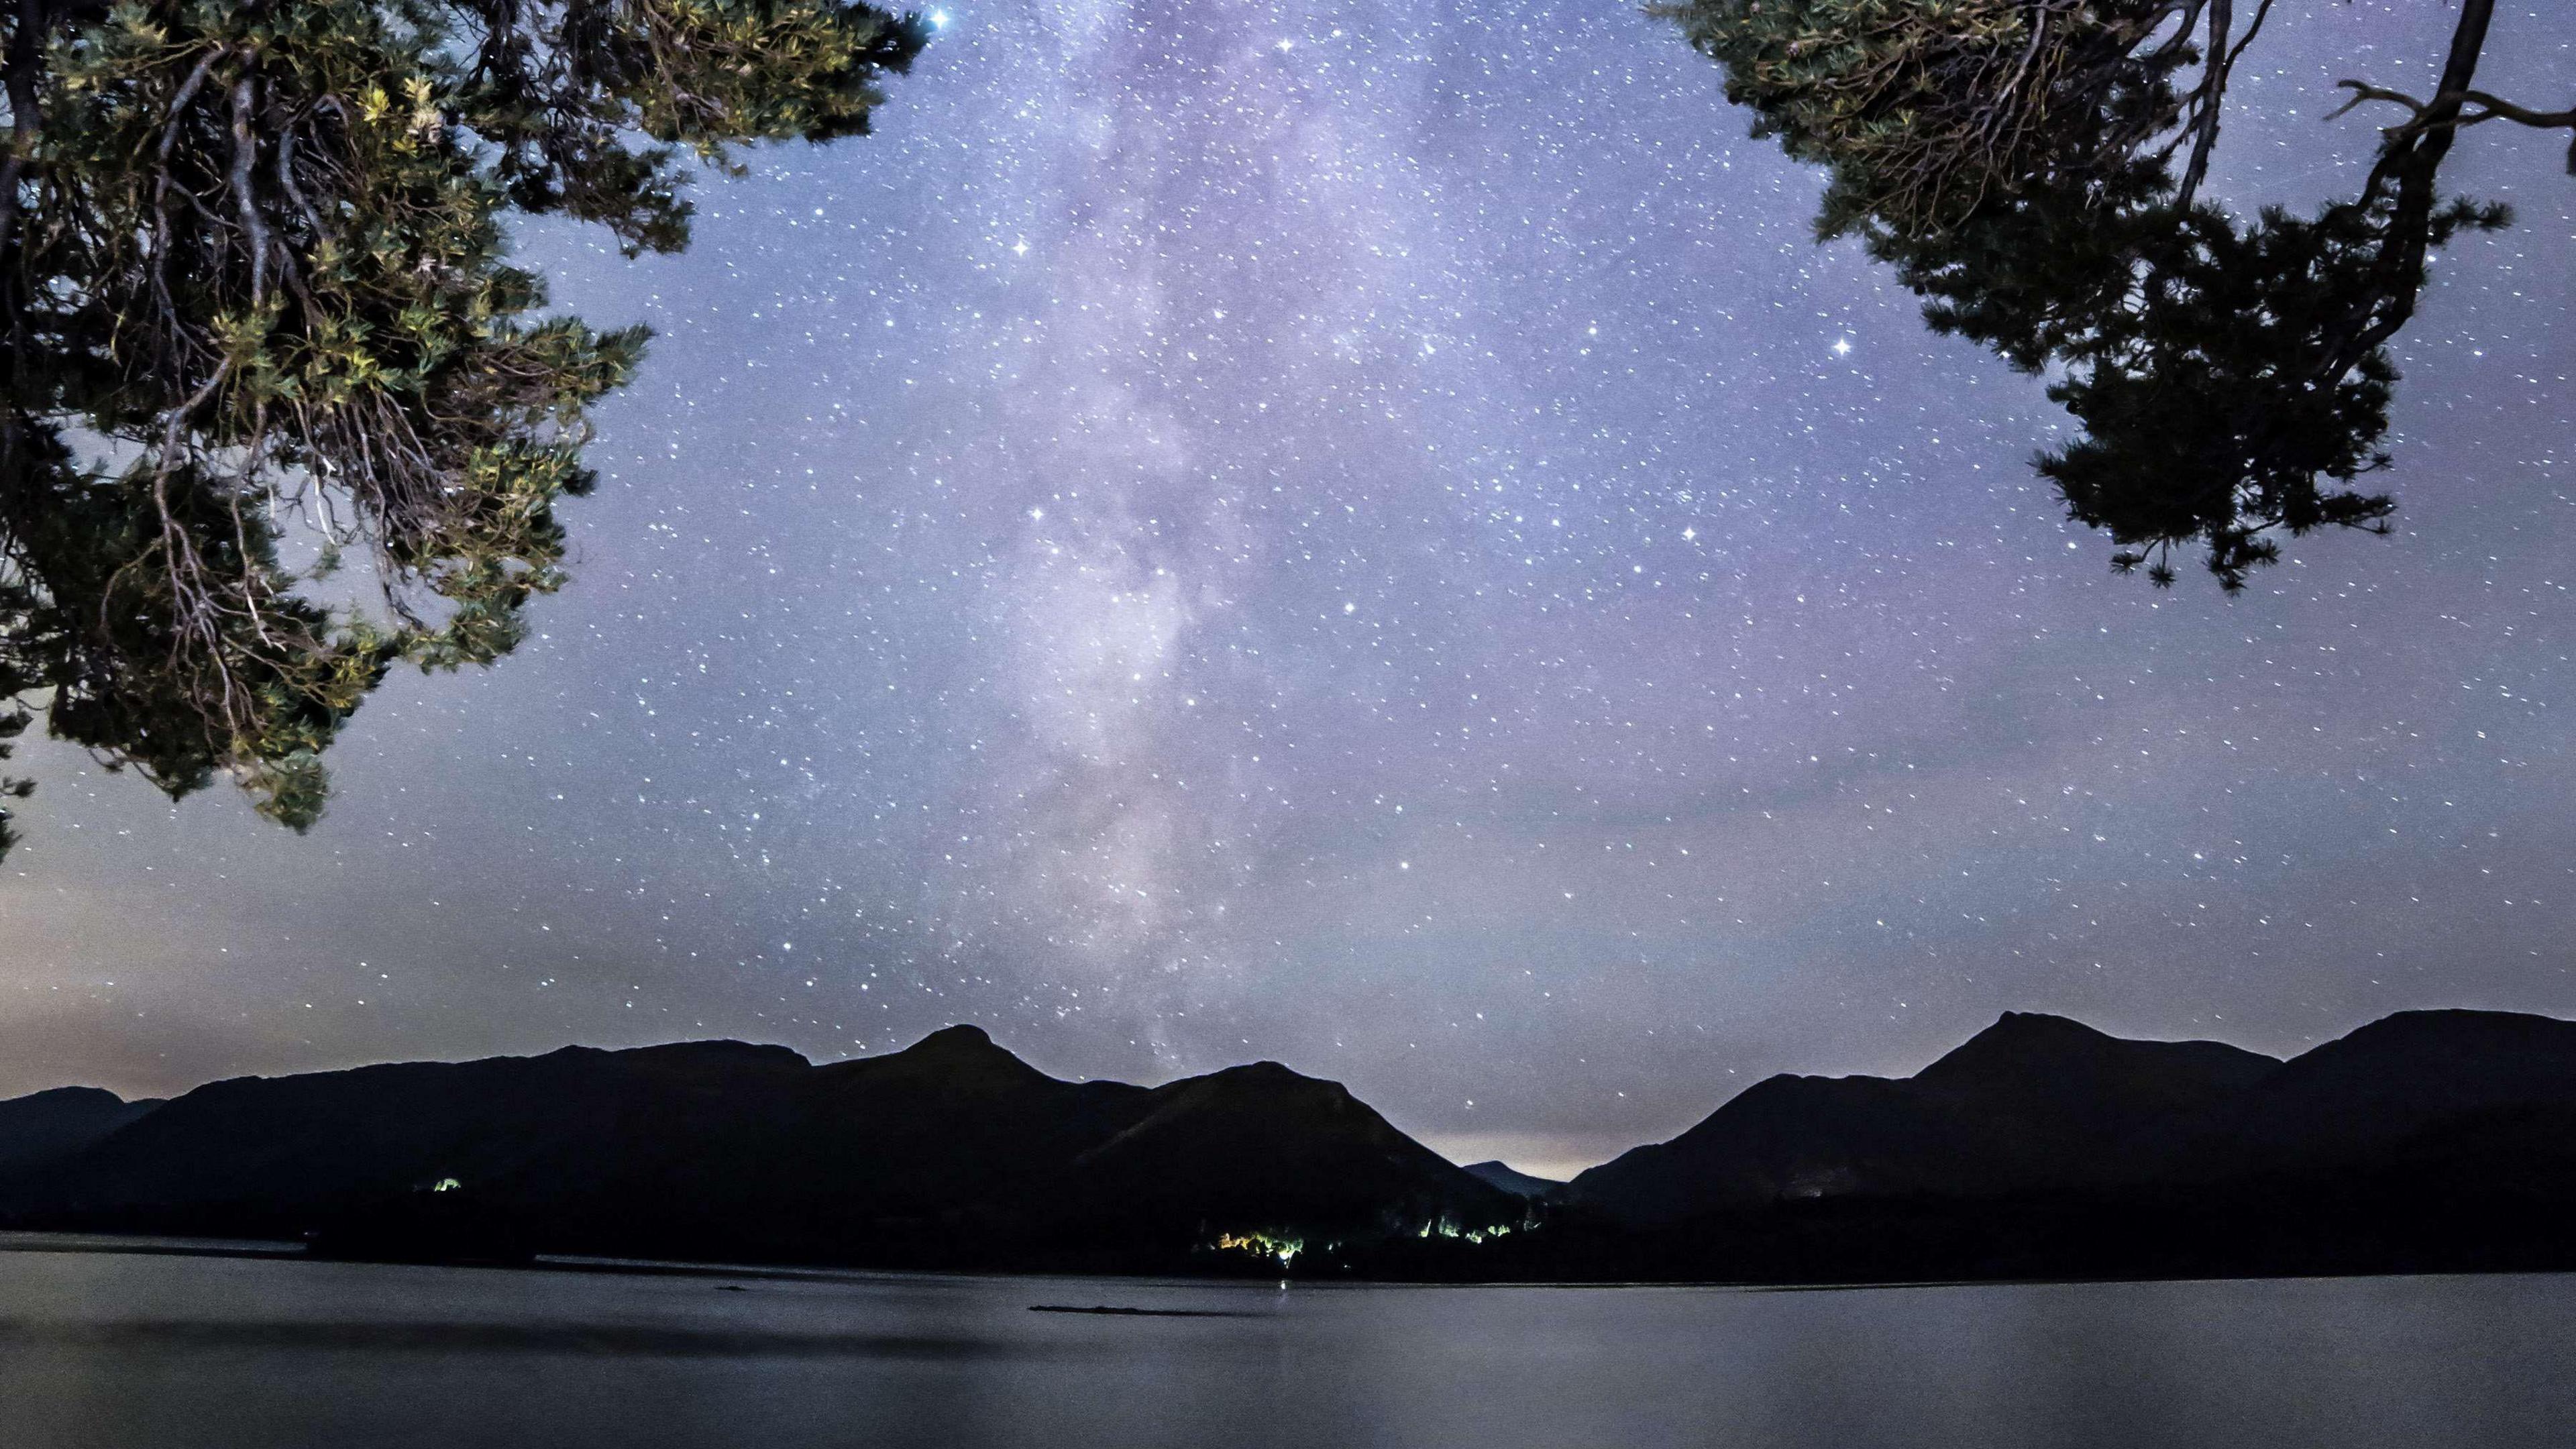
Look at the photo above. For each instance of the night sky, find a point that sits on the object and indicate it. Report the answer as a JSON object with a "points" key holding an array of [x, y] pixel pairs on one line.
{"points": [[1369, 535]]}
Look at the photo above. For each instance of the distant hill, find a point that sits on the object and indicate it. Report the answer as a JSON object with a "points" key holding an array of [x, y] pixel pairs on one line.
{"points": [[1512, 1180], [951, 1152], [56, 1123], [1262, 1145], [2032, 1101], [2429, 1141], [2408, 1086]]}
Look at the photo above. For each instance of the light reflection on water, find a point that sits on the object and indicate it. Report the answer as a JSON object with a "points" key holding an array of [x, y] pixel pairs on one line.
{"points": [[130, 1351]]}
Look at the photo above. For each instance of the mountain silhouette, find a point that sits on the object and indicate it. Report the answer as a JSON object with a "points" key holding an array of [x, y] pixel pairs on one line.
{"points": [[50, 1124], [2031, 1101], [1261, 1145], [1512, 1180], [2431, 1141], [950, 1152], [2386, 1085]]}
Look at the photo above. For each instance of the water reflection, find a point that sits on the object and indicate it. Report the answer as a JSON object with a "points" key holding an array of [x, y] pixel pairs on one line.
{"points": [[117, 1349]]}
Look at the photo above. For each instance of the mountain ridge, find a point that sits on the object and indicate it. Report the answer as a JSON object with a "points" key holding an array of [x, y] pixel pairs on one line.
{"points": [[2438, 1140], [2032, 1099], [951, 1151], [60, 1120], [1512, 1180]]}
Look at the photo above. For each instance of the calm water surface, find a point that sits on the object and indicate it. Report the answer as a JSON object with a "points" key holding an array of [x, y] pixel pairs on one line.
{"points": [[120, 1350]]}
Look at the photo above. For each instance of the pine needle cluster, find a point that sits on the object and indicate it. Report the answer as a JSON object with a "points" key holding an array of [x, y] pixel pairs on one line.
{"points": [[262, 328]]}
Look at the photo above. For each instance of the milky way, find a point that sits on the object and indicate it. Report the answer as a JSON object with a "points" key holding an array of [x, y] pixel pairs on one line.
{"points": [[1370, 535]]}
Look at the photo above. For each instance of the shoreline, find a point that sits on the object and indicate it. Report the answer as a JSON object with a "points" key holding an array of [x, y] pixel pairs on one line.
{"points": [[278, 1250]]}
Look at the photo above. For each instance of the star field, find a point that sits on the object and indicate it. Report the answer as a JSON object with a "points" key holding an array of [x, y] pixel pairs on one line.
{"points": [[1370, 535]]}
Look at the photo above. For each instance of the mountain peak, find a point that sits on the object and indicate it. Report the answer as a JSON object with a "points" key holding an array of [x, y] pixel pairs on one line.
{"points": [[2402, 1057], [2026, 1050], [60, 1121], [68, 1096], [2461, 1023], [1267, 1080], [712, 1052], [1495, 1172], [953, 1054], [2041, 1026], [2017, 1039], [1264, 1070], [965, 1036]]}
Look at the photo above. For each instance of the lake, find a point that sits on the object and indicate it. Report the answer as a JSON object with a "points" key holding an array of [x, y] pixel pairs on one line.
{"points": [[129, 1350]]}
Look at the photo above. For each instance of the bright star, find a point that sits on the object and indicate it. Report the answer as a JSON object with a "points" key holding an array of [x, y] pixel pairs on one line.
{"points": [[1842, 347]]}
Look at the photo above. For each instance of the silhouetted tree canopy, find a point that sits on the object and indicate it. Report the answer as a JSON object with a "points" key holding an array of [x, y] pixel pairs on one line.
{"points": [[260, 323], [2033, 167]]}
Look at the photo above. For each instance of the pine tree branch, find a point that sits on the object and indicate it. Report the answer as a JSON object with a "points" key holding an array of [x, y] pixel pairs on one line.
{"points": [[2208, 97], [2415, 158], [2489, 108], [20, 73]]}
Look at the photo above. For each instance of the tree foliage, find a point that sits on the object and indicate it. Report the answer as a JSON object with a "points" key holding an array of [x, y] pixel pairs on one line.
{"points": [[261, 326], [1924, 110], [2033, 169]]}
